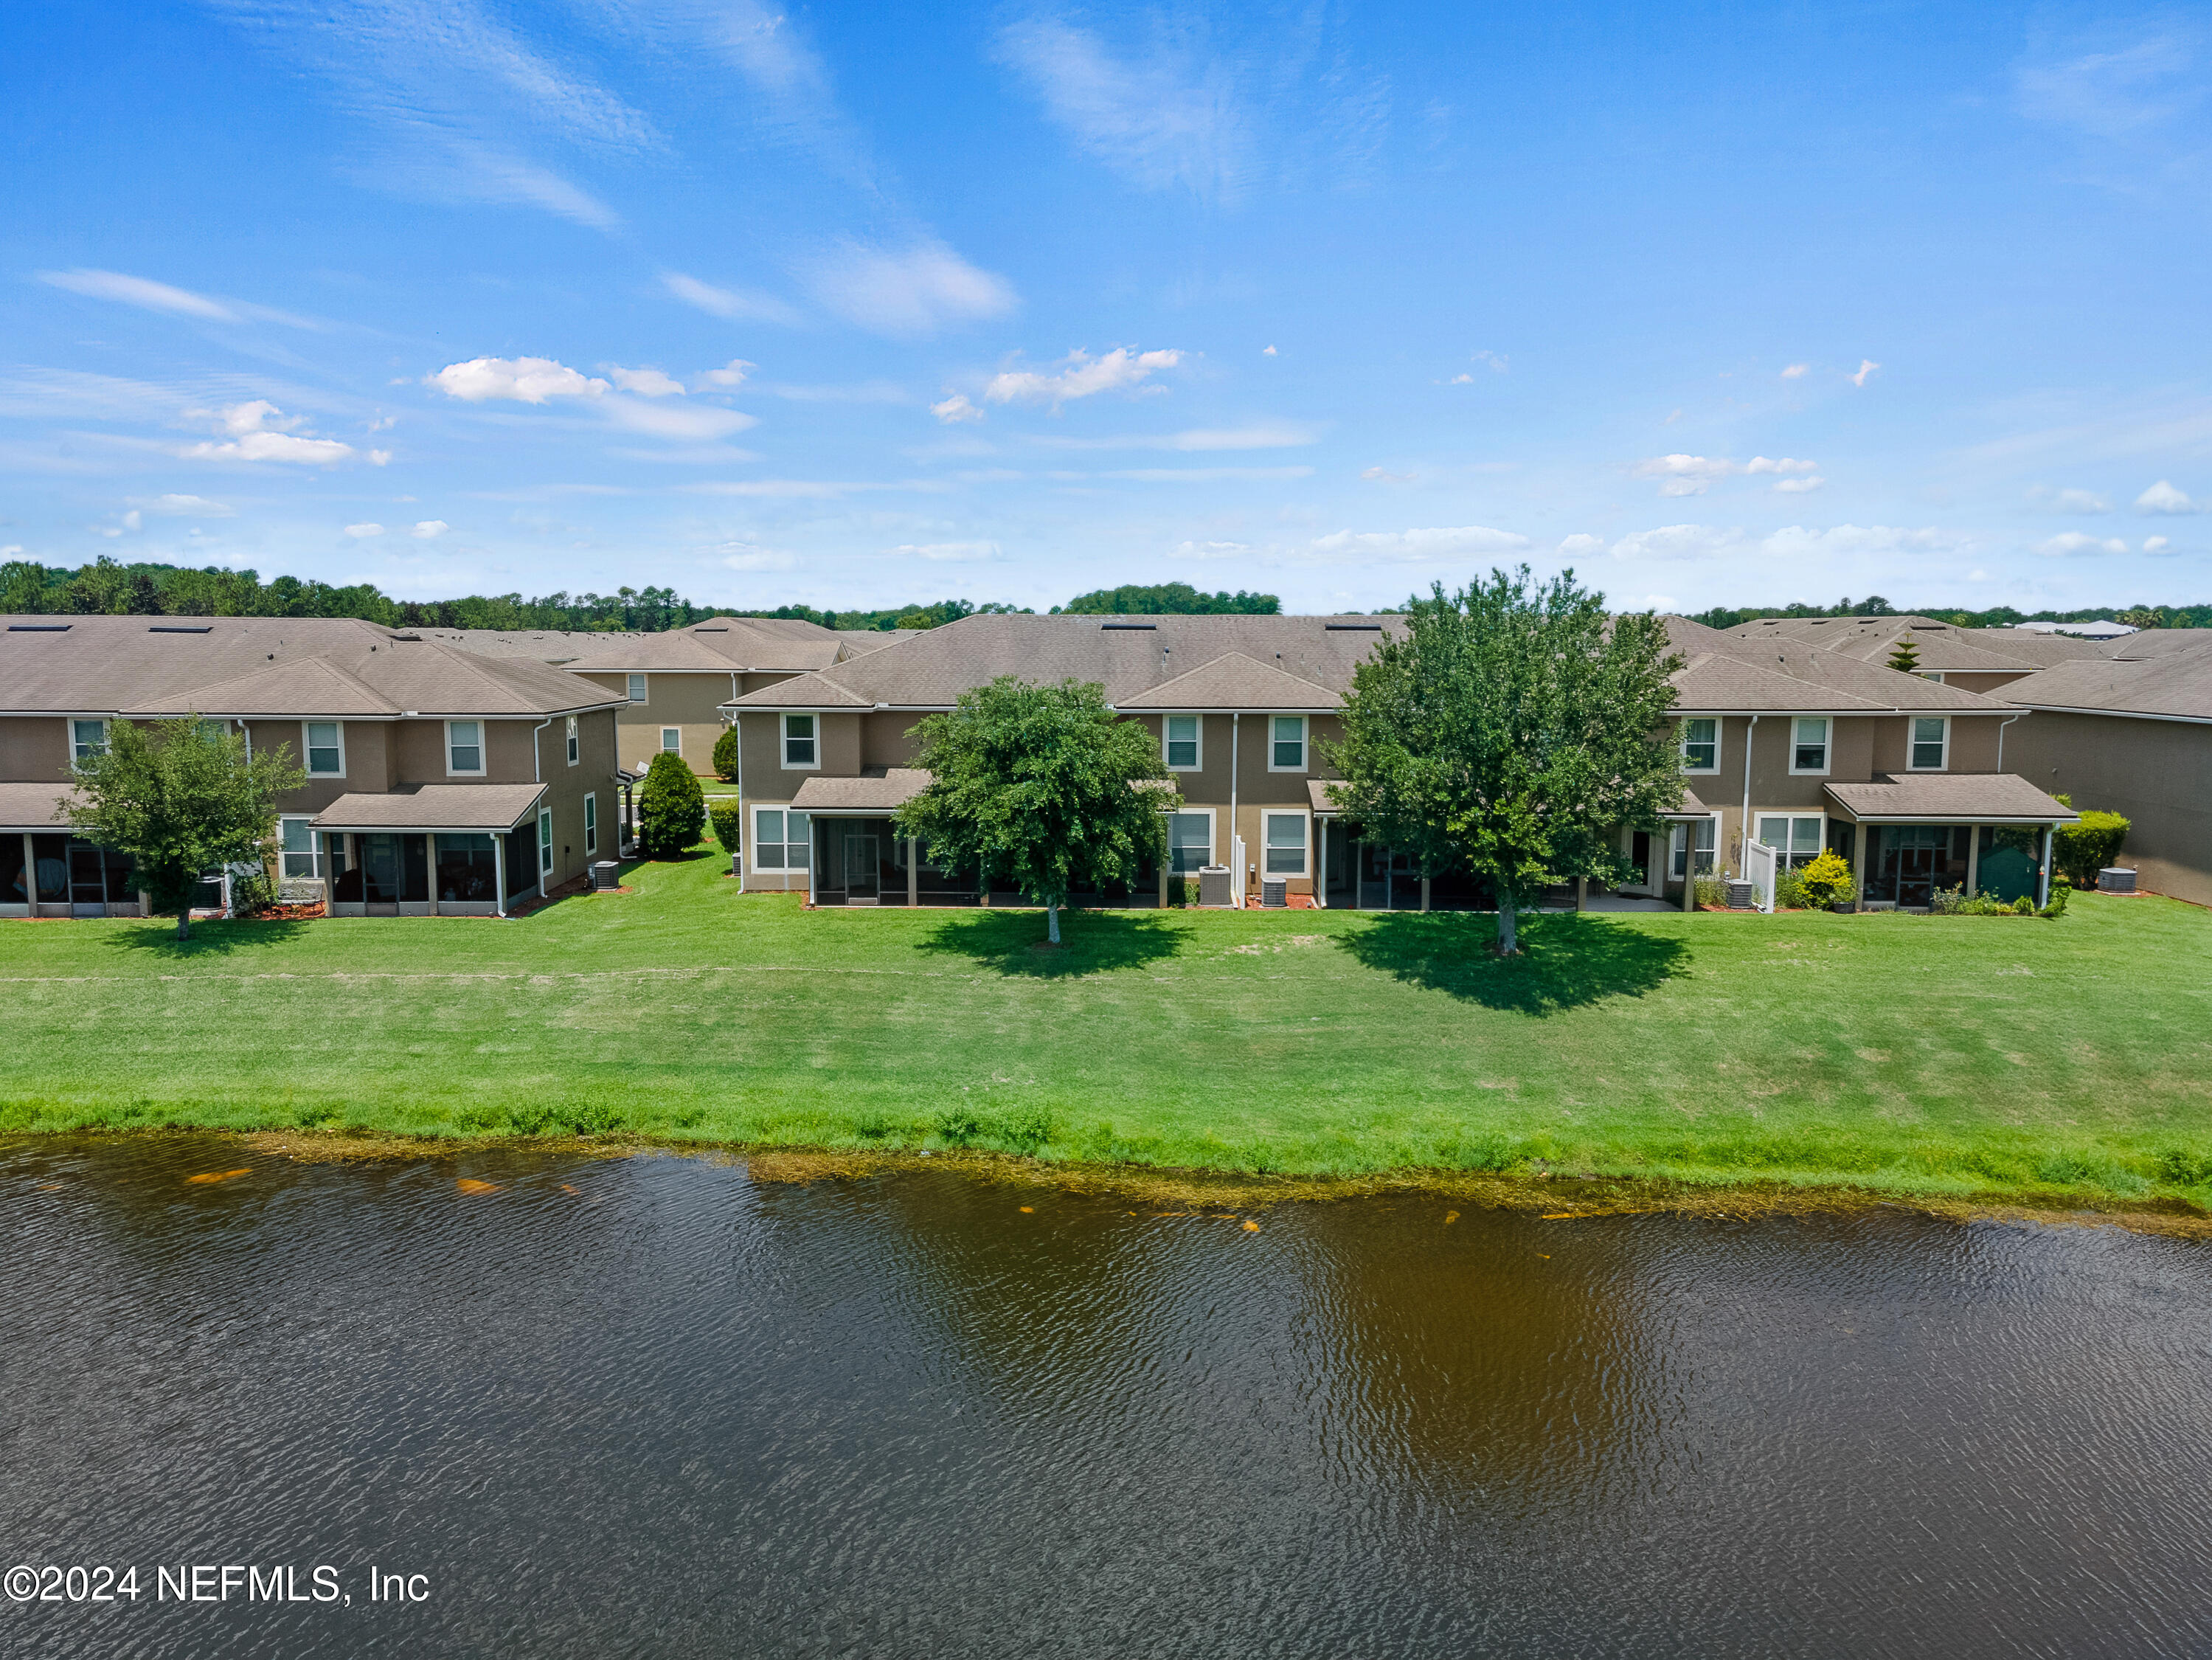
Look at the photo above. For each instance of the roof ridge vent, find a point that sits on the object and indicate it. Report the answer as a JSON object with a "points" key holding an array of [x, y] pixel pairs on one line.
{"points": [[1130, 628]]}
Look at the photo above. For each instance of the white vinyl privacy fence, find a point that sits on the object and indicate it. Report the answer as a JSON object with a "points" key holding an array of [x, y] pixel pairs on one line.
{"points": [[1759, 861]]}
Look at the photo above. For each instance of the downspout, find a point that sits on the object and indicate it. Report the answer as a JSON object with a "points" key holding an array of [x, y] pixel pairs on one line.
{"points": [[1743, 829], [740, 856], [2001, 725], [1237, 877], [537, 775]]}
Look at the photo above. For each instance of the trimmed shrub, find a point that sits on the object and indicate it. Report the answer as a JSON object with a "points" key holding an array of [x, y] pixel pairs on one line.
{"points": [[1828, 881], [726, 756], [2084, 849], [2060, 888], [1712, 891], [671, 809], [1788, 889], [727, 819]]}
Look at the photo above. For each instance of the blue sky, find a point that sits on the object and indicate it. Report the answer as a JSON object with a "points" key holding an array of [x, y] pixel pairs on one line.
{"points": [[866, 305]]}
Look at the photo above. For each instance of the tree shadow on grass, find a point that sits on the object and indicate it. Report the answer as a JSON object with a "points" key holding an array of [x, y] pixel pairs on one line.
{"points": [[1566, 962], [1093, 941], [158, 938]]}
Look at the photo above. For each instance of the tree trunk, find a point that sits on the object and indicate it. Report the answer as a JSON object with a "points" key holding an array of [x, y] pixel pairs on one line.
{"points": [[185, 921], [1052, 921], [1509, 945]]}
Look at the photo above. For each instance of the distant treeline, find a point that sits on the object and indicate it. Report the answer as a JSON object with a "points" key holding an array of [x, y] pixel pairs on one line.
{"points": [[1997, 617]]}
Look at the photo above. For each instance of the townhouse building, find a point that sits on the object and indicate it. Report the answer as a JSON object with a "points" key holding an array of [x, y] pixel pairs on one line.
{"points": [[437, 780]]}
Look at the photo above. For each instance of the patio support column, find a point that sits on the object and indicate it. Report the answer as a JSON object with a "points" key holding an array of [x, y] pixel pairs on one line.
{"points": [[1164, 878], [1424, 891], [913, 870], [30, 877], [1859, 862], [1581, 890], [430, 864], [2043, 882], [499, 872], [1320, 868], [1973, 860], [814, 840], [1690, 874]]}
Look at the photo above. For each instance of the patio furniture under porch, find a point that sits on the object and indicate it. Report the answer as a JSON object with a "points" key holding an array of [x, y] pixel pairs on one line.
{"points": [[438, 850]]}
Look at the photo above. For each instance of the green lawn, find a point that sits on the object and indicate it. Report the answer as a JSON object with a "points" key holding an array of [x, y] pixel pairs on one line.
{"points": [[1919, 1054]]}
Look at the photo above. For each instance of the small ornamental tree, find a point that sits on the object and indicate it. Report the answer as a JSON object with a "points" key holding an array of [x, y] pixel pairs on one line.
{"points": [[1905, 656], [1513, 729], [1826, 880], [726, 756], [1044, 785], [183, 798], [671, 809]]}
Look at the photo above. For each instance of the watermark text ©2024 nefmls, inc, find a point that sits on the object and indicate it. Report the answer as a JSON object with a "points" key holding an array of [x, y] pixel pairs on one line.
{"points": [[210, 1582]]}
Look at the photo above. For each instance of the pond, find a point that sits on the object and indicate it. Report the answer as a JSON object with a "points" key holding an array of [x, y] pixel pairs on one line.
{"points": [[508, 1402]]}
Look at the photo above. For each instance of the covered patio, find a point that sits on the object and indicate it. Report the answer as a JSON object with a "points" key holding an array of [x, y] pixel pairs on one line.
{"points": [[436, 850], [1914, 836], [47, 870], [859, 858]]}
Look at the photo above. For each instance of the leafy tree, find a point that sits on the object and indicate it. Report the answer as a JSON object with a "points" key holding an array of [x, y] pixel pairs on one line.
{"points": [[2142, 617], [182, 797], [1043, 784], [1168, 599], [1905, 656], [671, 809], [1512, 730], [726, 756]]}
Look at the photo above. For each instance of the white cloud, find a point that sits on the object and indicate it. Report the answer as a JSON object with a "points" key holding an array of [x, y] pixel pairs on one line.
{"points": [[2155, 544], [1867, 365], [380, 457], [746, 555], [1079, 376], [1692, 475], [1212, 549], [1758, 464], [1165, 122], [363, 533], [954, 409], [2111, 92], [1419, 546], [2163, 497], [426, 528], [1496, 362], [2069, 501], [520, 380], [958, 553], [130, 521], [646, 383], [727, 302], [1793, 544], [185, 507], [1276, 436], [905, 293], [1678, 542], [1379, 476], [260, 431], [1799, 486], [1204, 475], [1573, 547], [141, 292], [2074, 542], [732, 374], [691, 421], [1267, 351], [1795, 371], [1461, 379]]}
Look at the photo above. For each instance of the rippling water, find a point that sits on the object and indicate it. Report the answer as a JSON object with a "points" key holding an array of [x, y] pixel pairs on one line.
{"points": [[652, 1407]]}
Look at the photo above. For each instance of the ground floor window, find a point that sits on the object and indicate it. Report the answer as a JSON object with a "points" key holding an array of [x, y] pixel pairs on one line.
{"points": [[1190, 843], [780, 839], [591, 826], [298, 844], [468, 868], [1695, 839], [1794, 836], [544, 841], [672, 740], [1284, 834], [1907, 863]]}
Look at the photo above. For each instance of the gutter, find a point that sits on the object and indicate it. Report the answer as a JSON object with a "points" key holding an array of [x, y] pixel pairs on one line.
{"points": [[1743, 830], [536, 774], [2001, 725]]}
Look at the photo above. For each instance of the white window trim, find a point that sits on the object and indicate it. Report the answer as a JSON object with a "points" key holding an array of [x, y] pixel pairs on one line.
{"points": [[590, 824], [69, 731], [1183, 714], [1936, 675], [783, 745], [545, 842], [1827, 746], [664, 749], [1720, 730], [642, 683], [1305, 743], [306, 746], [752, 862], [1912, 721], [1214, 854], [483, 748], [576, 740], [314, 854], [1690, 845], [1821, 844], [1305, 857]]}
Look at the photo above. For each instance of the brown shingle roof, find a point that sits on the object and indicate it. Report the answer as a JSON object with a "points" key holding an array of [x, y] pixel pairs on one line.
{"points": [[1234, 681], [766, 644], [1781, 674], [34, 807], [481, 808], [2175, 685], [877, 789], [1953, 797]]}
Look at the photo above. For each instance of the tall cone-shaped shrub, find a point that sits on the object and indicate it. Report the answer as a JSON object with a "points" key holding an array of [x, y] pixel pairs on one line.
{"points": [[671, 809]]}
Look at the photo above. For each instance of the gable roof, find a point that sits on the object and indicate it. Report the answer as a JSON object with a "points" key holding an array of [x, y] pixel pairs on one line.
{"points": [[1980, 798], [2173, 683], [1727, 674], [1234, 681], [784, 645]]}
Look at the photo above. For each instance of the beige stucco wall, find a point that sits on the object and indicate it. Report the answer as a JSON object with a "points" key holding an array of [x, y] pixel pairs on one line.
{"points": [[690, 701], [34, 749], [2159, 772]]}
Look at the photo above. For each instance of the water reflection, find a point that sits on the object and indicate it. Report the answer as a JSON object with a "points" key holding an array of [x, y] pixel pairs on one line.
{"points": [[653, 1406]]}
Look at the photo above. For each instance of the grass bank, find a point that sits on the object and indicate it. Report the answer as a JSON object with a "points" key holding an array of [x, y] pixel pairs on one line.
{"points": [[2048, 1061]]}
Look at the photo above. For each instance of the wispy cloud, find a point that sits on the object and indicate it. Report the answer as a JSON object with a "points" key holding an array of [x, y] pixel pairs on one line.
{"points": [[905, 293], [2074, 543], [1167, 118], [1418, 546], [185, 507], [1197, 440], [1867, 368], [260, 431], [1692, 475], [2163, 497], [2112, 88], [149, 295], [956, 409], [2067, 500], [957, 553], [1079, 376], [646, 383], [718, 301]]}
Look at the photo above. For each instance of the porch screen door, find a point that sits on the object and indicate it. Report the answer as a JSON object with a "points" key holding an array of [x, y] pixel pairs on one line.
{"points": [[863, 871]]}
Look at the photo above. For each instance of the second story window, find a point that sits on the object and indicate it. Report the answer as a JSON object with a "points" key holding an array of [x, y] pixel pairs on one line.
{"points": [[1181, 741], [326, 753], [1809, 749], [87, 739], [637, 689], [1701, 745], [799, 741], [1287, 750], [575, 744], [1931, 735], [464, 747]]}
